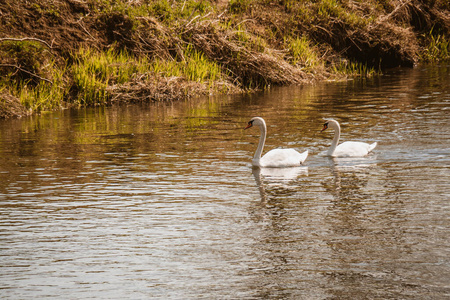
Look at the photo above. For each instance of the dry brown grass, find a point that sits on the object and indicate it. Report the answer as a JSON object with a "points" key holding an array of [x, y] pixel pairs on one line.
{"points": [[248, 67], [156, 89]]}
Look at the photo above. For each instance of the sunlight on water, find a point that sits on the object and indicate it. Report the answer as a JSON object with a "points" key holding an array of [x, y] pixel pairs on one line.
{"points": [[161, 201]]}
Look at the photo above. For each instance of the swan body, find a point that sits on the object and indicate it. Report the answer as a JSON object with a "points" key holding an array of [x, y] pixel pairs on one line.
{"points": [[276, 158], [346, 149]]}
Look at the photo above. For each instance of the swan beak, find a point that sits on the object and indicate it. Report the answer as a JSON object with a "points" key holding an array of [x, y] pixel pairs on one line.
{"points": [[249, 125], [324, 127]]}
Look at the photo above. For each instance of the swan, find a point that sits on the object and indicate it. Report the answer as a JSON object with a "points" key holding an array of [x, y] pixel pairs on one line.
{"points": [[276, 158], [346, 149]]}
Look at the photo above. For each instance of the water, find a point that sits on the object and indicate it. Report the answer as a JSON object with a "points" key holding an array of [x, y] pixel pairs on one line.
{"points": [[160, 201]]}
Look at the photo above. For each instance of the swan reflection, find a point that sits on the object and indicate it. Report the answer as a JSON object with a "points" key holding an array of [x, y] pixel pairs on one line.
{"points": [[277, 181], [350, 177]]}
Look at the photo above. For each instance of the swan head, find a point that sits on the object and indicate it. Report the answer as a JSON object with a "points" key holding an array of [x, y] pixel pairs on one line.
{"points": [[330, 124], [257, 121]]}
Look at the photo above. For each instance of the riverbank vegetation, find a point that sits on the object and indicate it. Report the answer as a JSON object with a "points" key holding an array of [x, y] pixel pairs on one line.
{"points": [[56, 54]]}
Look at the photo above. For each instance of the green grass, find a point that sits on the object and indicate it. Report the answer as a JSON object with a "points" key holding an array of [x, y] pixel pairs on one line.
{"points": [[238, 6], [321, 12], [353, 69], [34, 77], [333, 9], [438, 49], [165, 11], [41, 96], [248, 40], [196, 67], [303, 53], [94, 71], [44, 96], [199, 68]]}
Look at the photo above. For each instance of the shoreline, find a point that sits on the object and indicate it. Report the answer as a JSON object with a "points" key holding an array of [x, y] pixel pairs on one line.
{"points": [[59, 54]]}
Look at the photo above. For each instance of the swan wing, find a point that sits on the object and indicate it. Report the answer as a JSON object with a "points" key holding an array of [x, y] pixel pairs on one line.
{"points": [[282, 158], [353, 149]]}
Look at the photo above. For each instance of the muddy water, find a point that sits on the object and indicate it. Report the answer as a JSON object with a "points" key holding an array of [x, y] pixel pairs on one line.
{"points": [[160, 201]]}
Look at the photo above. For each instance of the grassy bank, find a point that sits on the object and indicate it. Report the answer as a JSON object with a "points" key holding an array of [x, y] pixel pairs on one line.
{"points": [[55, 54]]}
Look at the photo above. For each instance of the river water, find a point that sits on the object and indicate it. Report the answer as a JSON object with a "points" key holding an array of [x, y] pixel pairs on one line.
{"points": [[160, 201]]}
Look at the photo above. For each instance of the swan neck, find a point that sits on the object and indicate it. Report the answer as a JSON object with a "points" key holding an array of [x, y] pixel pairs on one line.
{"points": [[334, 143], [262, 140]]}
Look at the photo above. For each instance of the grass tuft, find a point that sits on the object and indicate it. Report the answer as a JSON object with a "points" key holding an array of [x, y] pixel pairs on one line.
{"points": [[353, 69], [303, 53], [31, 74], [438, 49], [93, 71]]}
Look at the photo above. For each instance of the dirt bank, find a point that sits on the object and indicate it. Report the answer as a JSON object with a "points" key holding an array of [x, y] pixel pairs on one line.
{"points": [[248, 44]]}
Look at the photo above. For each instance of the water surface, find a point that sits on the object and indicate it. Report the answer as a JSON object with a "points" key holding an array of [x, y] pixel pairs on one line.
{"points": [[160, 201]]}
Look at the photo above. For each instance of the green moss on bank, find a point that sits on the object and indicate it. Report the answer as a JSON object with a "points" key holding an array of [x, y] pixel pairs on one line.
{"points": [[55, 54]]}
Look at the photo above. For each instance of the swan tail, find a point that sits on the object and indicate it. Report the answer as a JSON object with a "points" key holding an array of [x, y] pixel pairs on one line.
{"points": [[303, 156], [372, 146]]}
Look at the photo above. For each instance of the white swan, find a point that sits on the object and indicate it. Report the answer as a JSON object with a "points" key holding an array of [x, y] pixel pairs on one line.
{"points": [[346, 149], [276, 158]]}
